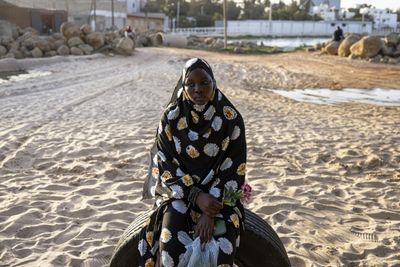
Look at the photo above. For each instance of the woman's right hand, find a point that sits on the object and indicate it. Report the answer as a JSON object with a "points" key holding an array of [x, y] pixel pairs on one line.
{"points": [[208, 204]]}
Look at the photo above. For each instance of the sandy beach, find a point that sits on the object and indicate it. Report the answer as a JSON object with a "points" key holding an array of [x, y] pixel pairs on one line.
{"points": [[74, 151]]}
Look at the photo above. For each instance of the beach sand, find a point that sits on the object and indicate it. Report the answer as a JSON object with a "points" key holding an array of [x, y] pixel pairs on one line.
{"points": [[74, 152]]}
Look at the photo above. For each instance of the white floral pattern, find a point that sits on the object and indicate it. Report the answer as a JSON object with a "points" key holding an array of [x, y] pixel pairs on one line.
{"points": [[193, 136], [165, 235], [177, 191], [180, 206], [192, 151], [177, 143], [161, 156], [235, 133], [173, 113], [209, 113], [225, 143], [179, 172], [142, 247], [199, 108], [216, 123], [211, 149], [231, 184], [229, 113], [226, 164], [225, 245], [215, 192], [208, 178], [166, 259]]}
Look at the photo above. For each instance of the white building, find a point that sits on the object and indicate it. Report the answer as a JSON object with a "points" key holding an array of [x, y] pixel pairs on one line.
{"points": [[383, 18], [326, 12], [330, 3], [135, 6]]}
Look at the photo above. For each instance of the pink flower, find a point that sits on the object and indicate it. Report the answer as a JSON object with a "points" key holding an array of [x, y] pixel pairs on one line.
{"points": [[246, 193]]}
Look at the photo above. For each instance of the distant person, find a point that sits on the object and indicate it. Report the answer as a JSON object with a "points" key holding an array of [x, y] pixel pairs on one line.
{"points": [[129, 32], [338, 34]]}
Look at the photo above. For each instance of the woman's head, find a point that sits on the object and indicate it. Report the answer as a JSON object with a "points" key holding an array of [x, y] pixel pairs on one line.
{"points": [[198, 81]]}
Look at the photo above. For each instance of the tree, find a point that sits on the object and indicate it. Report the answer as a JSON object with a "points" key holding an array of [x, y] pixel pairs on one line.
{"points": [[253, 9]]}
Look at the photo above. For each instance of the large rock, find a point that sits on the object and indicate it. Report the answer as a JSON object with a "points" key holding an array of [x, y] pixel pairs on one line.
{"points": [[75, 41], [36, 52], [86, 29], [3, 51], [109, 37], [51, 53], [332, 48], [59, 43], [367, 47], [344, 48], [124, 46], [392, 39], [58, 36], [70, 29], [63, 50], [8, 30], [387, 50], [95, 39], [87, 49], [43, 45], [76, 51]]}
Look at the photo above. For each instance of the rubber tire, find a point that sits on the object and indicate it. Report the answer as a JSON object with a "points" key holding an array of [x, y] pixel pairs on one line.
{"points": [[260, 246]]}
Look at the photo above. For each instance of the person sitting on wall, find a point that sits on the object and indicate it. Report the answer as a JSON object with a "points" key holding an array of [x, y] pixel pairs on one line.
{"points": [[338, 34]]}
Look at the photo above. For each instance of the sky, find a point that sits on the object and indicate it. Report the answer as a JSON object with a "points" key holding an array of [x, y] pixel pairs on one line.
{"points": [[392, 4]]}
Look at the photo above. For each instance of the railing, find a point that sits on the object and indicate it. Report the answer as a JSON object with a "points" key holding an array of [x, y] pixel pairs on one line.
{"points": [[386, 31], [199, 31]]}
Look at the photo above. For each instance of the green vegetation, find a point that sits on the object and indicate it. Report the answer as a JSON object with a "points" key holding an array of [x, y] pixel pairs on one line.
{"points": [[204, 13]]}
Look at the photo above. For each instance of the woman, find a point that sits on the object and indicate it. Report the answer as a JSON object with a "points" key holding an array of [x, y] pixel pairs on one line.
{"points": [[200, 156]]}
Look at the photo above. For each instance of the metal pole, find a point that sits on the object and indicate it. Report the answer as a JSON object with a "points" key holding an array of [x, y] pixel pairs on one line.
{"points": [[225, 25], [270, 17], [94, 14], [112, 14], [177, 13]]}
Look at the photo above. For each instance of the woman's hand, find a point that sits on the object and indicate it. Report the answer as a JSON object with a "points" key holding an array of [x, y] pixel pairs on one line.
{"points": [[208, 204], [205, 228]]}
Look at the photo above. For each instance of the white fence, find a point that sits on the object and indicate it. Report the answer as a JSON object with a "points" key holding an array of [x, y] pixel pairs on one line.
{"points": [[280, 28]]}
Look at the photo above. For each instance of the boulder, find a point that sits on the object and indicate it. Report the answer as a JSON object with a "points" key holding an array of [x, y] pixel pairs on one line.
{"points": [[13, 46], [332, 48], [3, 51], [70, 29], [51, 53], [109, 37], [59, 43], [392, 39], [352, 57], [8, 30], [76, 51], [218, 44], [238, 50], [318, 46], [95, 39], [58, 36], [75, 41], [387, 50], [392, 61], [344, 48], [18, 54], [42, 44], [63, 50], [87, 49], [36, 52], [367, 47], [124, 46], [86, 29], [209, 40]]}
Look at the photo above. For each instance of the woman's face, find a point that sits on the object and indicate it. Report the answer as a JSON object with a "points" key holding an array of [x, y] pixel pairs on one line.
{"points": [[199, 86]]}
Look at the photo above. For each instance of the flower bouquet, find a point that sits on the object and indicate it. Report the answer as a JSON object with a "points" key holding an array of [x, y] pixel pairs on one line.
{"points": [[231, 196]]}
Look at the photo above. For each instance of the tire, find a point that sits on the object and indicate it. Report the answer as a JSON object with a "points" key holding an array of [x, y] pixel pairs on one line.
{"points": [[260, 246]]}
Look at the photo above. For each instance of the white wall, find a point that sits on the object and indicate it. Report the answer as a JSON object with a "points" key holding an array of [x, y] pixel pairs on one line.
{"points": [[295, 28]]}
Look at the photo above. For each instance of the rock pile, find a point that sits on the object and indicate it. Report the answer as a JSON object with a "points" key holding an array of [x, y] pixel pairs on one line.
{"points": [[72, 40], [370, 48]]}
